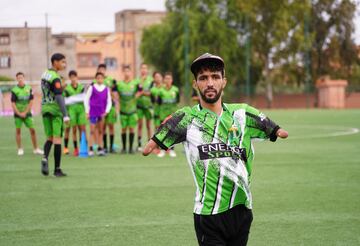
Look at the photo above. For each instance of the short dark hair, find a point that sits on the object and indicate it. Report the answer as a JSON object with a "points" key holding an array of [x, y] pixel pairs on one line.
{"points": [[99, 73], [102, 65], [19, 73], [156, 72], [211, 66], [57, 57], [168, 74], [72, 73]]}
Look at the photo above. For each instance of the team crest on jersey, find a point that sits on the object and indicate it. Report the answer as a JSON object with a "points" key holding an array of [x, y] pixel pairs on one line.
{"points": [[234, 135]]}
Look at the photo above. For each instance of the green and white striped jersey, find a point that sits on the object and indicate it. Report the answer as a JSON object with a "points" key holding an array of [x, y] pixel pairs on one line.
{"points": [[219, 151]]}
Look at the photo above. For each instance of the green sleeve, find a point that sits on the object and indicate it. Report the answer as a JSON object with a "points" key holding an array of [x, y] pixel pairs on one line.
{"points": [[259, 125], [173, 130]]}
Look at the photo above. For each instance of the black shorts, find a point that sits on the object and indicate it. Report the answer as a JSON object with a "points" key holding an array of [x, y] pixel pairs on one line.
{"points": [[228, 228]]}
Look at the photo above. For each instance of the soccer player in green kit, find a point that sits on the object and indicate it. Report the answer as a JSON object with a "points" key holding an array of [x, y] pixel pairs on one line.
{"points": [[128, 92], [157, 85], [76, 110], [111, 117], [21, 102], [218, 144], [54, 113], [144, 104], [168, 98]]}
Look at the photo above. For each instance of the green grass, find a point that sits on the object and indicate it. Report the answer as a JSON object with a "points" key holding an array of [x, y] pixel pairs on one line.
{"points": [[306, 191]]}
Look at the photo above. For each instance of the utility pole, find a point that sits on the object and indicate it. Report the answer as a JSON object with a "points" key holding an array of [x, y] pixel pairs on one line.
{"points": [[248, 58], [47, 40], [307, 60], [186, 56]]}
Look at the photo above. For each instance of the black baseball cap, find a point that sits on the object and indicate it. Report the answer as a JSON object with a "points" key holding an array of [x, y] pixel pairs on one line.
{"points": [[206, 58]]}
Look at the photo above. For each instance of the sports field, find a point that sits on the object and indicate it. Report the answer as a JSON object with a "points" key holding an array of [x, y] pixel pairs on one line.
{"points": [[306, 190]]}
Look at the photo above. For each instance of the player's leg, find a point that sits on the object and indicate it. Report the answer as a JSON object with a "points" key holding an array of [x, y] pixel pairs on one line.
{"points": [[93, 134], [140, 126], [66, 140], [111, 121], [100, 128], [123, 139], [148, 117], [241, 221], [131, 139], [81, 123], [57, 123], [104, 138], [161, 153], [123, 121], [156, 126], [74, 123], [74, 137], [29, 123], [207, 231], [47, 122], [18, 141], [111, 132], [18, 124], [132, 121]]}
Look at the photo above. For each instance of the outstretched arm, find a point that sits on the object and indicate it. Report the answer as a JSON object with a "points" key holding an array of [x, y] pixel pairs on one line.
{"points": [[281, 133], [149, 147]]}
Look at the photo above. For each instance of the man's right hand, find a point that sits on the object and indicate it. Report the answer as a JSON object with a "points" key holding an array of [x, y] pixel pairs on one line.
{"points": [[149, 147]]}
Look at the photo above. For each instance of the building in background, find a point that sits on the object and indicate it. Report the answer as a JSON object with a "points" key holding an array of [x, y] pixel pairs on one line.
{"points": [[114, 49], [28, 49], [135, 21]]}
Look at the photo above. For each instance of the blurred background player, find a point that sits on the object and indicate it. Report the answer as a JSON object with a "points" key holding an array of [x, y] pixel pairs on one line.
{"points": [[168, 98], [144, 104], [157, 85], [53, 112], [97, 105], [21, 102], [67, 126], [128, 92], [111, 117], [76, 111]]}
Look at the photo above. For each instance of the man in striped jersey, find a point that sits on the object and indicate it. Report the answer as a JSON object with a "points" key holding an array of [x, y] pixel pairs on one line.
{"points": [[217, 140]]}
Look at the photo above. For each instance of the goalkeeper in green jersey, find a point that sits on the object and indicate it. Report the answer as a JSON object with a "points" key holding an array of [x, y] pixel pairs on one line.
{"points": [[21, 102], [54, 113], [217, 138]]}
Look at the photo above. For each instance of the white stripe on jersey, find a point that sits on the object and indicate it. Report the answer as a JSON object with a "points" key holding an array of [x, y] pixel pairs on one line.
{"points": [[219, 190], [193, 135]]}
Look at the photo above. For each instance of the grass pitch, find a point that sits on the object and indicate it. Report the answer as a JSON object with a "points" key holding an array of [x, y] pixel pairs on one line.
{"points": [[306, 190]]}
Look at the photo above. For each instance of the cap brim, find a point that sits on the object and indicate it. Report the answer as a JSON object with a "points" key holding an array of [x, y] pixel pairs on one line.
{"points": [[208, 60]]}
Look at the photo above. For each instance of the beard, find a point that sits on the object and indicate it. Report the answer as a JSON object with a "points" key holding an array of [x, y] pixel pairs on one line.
{"points": [[211, 99]]}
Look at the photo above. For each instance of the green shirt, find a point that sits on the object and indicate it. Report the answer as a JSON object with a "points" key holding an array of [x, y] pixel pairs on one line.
{"points": [[71, 91], [168, 100], [127, 99], [50, 86], [219, 151], [21, 96], [146, 85]]}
